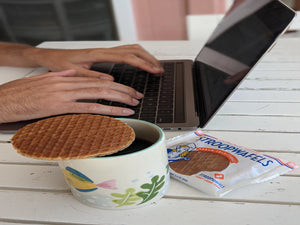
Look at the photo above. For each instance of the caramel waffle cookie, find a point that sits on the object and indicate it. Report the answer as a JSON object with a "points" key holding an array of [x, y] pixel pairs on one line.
{"points": [[73, 137], [200, 161]]}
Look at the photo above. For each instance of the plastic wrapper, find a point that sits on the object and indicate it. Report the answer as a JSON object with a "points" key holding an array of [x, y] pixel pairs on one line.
{"points": [[217, 167]]}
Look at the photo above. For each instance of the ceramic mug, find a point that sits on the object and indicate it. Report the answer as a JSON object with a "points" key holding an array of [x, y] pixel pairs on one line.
{"points": [[126, 180]]}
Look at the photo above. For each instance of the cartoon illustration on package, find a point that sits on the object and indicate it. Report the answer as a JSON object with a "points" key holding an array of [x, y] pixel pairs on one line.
{"points": [[180, 152]]}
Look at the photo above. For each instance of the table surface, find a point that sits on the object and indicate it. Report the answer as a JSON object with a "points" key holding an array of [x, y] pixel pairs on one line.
{"points": [[263, 114]]}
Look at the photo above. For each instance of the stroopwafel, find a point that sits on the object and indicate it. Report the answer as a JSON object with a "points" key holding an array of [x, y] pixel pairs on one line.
{"points": [[73, 137], [200, 161]]}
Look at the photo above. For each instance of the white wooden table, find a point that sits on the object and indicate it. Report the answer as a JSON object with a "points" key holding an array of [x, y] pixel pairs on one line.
{"points": [[263, 114]]}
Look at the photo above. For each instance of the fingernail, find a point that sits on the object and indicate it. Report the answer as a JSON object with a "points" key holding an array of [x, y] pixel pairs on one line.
{"points": [[139, 94], [128, 112], [158, 69], [135, 101]]}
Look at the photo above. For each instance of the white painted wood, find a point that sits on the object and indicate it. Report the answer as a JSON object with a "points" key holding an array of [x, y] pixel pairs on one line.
{"points": [[269, 74], [281, 85], [63, 208], [275, 96], [280, 68], [10, 73], [255, 123], [32, 177], [261, 109], [281, 189], [5, 137], [9, 155]]}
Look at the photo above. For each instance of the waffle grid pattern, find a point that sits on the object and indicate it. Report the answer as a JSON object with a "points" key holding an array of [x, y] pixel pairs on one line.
{"points": [[73, 137]]}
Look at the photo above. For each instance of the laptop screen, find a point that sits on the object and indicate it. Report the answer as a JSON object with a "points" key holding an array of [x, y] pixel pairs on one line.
{"points": [[246, 32]]}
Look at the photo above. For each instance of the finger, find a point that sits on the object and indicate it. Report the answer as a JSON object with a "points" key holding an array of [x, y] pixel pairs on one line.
{"points": [[142, 64], [65, 81], [100, 93], [142, 53], [134, 60], [64, 73], [78, 107], [135, 56], [147, 61], [118, 87], [74, 83], [91, 73]]}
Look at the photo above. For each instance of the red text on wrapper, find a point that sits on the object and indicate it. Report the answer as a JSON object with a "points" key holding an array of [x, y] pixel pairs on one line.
{"points": [[219, 176], [230, 157]]}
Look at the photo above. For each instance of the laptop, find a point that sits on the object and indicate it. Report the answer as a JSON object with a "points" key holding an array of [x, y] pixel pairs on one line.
{"points": [[190, 93]]}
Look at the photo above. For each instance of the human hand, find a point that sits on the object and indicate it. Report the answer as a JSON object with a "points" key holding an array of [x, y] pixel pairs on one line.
{"points": [[81, 60], [57, 93]]}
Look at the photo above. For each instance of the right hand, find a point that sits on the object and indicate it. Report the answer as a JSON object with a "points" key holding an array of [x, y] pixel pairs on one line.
{"points": [[57, 93]]}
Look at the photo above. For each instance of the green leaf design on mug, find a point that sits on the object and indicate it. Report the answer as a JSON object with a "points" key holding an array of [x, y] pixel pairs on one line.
{"points": [[129, 198], [153, 188]]}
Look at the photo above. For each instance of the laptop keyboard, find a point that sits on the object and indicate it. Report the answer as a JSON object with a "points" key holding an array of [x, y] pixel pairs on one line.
{"points": [[158, 104]]}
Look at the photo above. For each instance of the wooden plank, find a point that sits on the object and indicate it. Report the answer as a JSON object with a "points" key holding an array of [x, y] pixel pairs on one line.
{"points": [[62, 208], [255, 123], [269, 74], [282, 189], [261, 109], [286, 85], [286, 49], [13, 73], [279, 66], [9, 155], [5, 138], [32, 177], [265, 96], [50, 178]]}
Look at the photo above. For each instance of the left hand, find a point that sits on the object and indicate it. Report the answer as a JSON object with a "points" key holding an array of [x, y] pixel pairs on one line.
{"points": [[82, 59]]}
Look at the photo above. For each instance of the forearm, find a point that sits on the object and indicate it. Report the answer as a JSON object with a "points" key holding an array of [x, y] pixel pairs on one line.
{"points": [[12, 54], [78, 59]]}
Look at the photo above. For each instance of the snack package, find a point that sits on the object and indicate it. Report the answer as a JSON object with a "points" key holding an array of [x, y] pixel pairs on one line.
{"points": [[216, 167]]}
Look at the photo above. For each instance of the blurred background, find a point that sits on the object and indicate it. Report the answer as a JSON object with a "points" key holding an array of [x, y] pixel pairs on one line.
{"points": [[35, 21]]}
